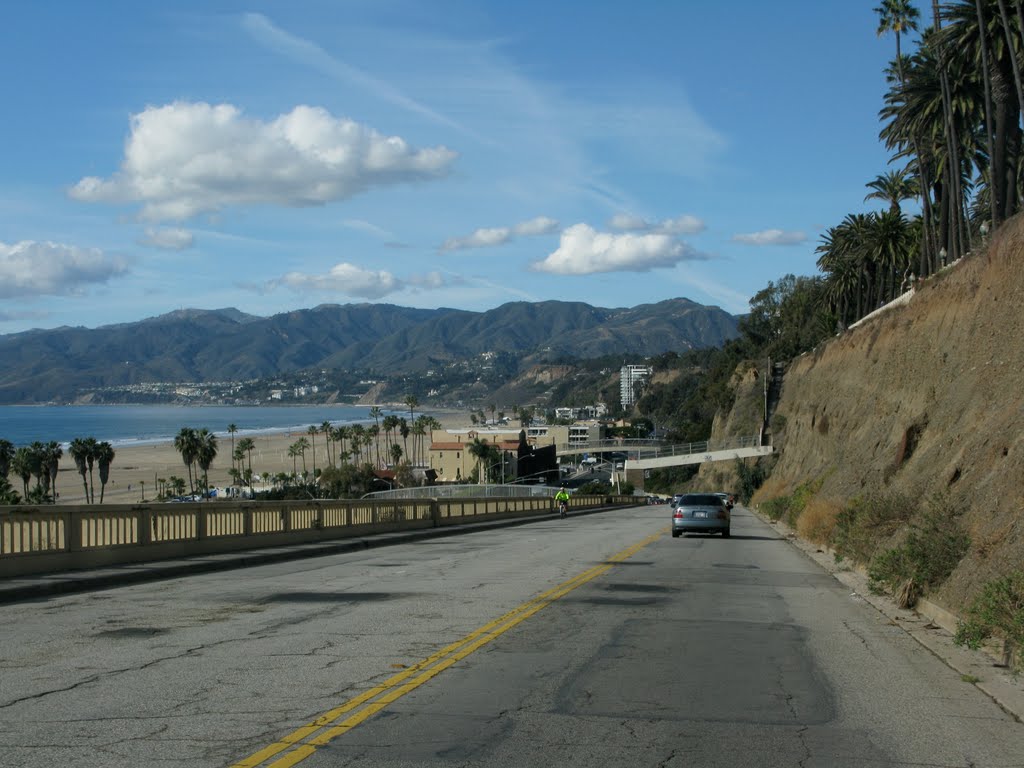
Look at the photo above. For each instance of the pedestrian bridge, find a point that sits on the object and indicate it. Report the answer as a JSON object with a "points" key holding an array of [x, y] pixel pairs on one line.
{"points": [[654, 454]]}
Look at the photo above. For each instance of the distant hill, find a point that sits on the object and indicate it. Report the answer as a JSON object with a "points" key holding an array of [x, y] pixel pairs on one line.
{"points": [[227, 345]]}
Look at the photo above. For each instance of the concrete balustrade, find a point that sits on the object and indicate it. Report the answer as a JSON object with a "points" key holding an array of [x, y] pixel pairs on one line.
{"points": [[49, 539]]}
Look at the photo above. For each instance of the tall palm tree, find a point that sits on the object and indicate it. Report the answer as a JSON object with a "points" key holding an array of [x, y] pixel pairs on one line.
{"points": [[900, 17], [302, 444], [54, 452], [893, 188], [185, 442], [328, 432], [21, 465], [232, 428], [206, 452], [247, 445], [79, 450], [6, 454], [312, 432], [104, 458], [293, 454], [411, 402]]}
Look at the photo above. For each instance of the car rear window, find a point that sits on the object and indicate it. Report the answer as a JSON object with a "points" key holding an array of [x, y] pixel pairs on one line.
{"points": [[700, 499]]}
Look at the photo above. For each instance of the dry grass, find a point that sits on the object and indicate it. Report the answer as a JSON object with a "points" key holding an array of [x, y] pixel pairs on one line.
{"points": [[818, 520], [772, 489]]}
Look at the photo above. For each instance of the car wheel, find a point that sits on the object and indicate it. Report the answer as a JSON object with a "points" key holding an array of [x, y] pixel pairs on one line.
{"points": [[675, 534], [726, 533]]}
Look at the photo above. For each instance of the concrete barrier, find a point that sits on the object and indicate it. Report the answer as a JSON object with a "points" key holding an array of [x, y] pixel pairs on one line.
{"points": [[48, 539]]}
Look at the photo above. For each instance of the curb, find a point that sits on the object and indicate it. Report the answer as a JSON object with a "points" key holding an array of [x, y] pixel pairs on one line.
{"points": [[930, 625]]}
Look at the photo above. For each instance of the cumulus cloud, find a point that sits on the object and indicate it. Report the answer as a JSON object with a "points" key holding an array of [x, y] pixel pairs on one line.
{"points": [[681, 225], [584, 251], [186, 159], [352, 280], [168, 238], [31, 268], [481, 238], [771, 237], [488, 237]]}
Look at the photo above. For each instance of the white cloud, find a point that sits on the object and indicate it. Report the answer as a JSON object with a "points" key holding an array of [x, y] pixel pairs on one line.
{"points": [[481, 238], [542, 225], [584, 251], [487, 237], [681, 225], [169, 238], [771, 237], [351, 280], [31, 268], [185, 159]]}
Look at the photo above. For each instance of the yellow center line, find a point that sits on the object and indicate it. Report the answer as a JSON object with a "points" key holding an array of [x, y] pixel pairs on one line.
{"points": [[304, 741]]}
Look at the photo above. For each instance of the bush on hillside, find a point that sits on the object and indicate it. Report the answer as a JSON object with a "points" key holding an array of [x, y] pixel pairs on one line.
{"points": [[997, 611], [868, 521], [932, 549], [818, 521]]}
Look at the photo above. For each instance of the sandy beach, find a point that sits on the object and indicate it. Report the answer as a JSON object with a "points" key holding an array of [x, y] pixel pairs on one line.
{"points": [[137, 469]]}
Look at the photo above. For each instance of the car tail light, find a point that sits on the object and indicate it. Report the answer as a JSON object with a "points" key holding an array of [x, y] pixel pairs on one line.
{"points": [[722, 514], [678, 515]]}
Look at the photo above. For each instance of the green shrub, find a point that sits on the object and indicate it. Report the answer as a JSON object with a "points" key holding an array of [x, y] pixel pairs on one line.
{"points": [[866, 522], [932, 549], [775, 508], [999, 611], [750, 479]]}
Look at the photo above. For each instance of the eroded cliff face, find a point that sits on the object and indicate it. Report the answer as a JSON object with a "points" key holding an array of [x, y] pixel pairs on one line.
{"points": [[926, 398]]}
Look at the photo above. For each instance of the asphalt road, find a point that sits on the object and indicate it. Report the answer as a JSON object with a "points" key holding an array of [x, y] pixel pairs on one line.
{"points": [[592, 641]]}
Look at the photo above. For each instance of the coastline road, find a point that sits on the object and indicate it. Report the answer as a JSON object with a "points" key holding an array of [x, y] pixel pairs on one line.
{"points": [[596, 640]]}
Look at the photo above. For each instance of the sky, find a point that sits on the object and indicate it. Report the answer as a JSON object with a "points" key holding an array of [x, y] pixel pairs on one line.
{"points": [[278, 155]]}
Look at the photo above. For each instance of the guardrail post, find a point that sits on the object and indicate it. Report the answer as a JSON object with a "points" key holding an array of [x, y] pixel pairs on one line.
{"points": [[145, 523], [435, 512], [74, 531]]}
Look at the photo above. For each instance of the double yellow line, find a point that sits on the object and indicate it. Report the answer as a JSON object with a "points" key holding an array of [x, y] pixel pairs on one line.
{"points": [[304, 741]]}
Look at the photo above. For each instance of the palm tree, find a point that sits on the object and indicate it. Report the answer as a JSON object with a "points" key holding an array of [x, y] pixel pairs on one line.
{"points": [[6, 455], [104, 458], [328, 433], [484, 453], [54, 452], [232, 429], [900, 17], [312, 434], [185, 442], [301, 445], [206, 452], [293, 453], [21, 465], [893, 188], [79, 450], [411, 402]]}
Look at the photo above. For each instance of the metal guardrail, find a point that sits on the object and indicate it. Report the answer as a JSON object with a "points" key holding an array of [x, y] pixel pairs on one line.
{"points": [[48, 539], [604, 446], [493, 490]]}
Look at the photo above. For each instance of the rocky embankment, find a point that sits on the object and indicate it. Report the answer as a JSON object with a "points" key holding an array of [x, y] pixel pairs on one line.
{"points": [[924, 399]]}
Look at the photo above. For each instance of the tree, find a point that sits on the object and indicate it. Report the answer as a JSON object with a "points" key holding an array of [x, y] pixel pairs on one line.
{"points": [[186, 443], [206, 452], [302, 445], [312, 436], [411, 401], [54, 453], [485, 454], [104, 458], [893, 188], [6, 455], [232, 428], [247, 445], [80, 449], [21, 465]]}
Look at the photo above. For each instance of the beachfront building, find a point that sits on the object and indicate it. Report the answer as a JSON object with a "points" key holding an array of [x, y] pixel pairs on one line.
{"points": [[451, 459]]}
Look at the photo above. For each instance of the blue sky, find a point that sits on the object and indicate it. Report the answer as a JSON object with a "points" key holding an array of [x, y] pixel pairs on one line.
{"points": [[273, 156]]}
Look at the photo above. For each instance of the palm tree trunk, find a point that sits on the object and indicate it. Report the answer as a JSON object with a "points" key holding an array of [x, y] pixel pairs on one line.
{"points": [[1012, 53], [993, 207]]}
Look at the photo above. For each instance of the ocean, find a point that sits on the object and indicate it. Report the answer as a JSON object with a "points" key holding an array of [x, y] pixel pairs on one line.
{"points": [[147, 424]]}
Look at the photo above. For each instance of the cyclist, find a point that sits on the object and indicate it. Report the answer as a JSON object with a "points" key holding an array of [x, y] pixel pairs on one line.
{"points": [[562, 500]]}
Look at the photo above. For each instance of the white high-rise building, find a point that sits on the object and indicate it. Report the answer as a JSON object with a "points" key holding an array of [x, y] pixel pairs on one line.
{"points": [[629, 375]]}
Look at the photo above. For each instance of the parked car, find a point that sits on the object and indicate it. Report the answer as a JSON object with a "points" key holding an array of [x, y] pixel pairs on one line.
{"points": [[701, 513]]}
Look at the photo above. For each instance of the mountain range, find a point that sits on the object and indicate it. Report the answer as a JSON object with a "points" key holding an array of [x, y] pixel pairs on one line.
{"points": [[193, 345]]}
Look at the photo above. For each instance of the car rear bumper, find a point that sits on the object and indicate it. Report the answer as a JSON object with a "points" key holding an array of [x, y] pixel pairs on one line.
{"points": [[699, 526]]}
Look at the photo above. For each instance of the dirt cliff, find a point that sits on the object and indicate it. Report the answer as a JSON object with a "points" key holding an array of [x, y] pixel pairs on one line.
{"points": [[925, 398]]}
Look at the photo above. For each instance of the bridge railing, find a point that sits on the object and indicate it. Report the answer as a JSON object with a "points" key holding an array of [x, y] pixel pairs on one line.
{"points": [[704, 446], [48, 539], [607, 445]]}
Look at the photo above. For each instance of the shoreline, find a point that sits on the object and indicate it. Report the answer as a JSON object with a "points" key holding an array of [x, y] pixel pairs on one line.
{"points": [[137, 467]]}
